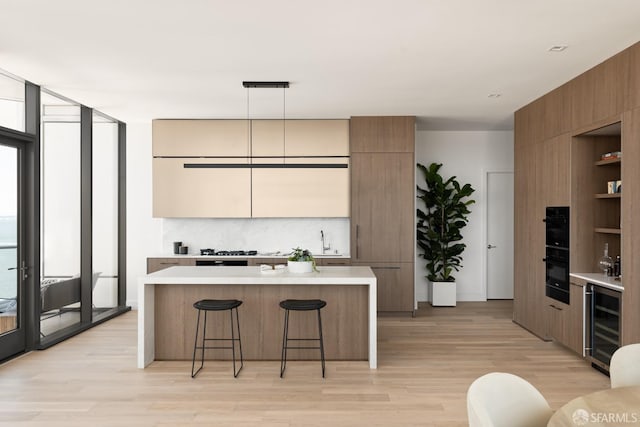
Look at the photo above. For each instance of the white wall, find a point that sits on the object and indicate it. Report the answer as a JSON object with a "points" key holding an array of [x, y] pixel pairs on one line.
{"points": [[144, 233], [469, 155], [149, 237]]}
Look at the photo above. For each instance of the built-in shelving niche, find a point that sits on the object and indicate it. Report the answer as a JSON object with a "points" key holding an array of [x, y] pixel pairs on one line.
{"points": [[595, 213]]}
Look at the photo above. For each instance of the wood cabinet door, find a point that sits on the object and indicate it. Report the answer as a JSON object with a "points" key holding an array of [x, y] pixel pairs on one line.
{"points": [[302, 192], [157, 264], [383, 134], [211, 138], [200, 188], [529, 268], [299, 138], [557, 318], [575, 319], [382, 207], [333, 261], [395, 285]]}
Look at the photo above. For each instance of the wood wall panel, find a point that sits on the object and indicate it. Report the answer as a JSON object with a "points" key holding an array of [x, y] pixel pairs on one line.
{"points": [[631, 227], [610, 86], [632, 100], [592, 100], [582, 92], [344, 320], [557, 112]]}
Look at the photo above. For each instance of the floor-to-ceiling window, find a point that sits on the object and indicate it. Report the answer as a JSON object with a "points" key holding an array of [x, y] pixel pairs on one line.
{"points": [[104, 214], [60, 214], [62, 260]]}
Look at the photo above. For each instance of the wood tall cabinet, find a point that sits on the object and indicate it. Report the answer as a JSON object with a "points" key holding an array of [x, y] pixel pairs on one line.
{"points": [[383, 205], [542, 173], [558, 141]]}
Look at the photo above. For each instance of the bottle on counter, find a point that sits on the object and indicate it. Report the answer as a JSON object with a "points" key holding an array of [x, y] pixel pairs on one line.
{"points": [[606, 263], [617, 267]]}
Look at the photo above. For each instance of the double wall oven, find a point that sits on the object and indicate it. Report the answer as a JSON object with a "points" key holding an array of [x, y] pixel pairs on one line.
{"points": [[557, 253]]}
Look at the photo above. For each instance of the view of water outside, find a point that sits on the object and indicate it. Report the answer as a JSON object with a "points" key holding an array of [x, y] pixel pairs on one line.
{"points": [[8, 237]]}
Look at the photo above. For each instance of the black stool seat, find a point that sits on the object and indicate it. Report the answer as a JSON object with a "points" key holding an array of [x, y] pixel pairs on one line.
{"points": [[302, 304], [217, 304], [205, 306]]}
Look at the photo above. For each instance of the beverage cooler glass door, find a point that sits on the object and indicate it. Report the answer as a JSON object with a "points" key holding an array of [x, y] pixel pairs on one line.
{"points": [[605, 325]]}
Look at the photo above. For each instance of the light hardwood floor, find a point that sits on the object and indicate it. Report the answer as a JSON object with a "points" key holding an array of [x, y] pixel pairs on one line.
{"points": [[426, 364]]}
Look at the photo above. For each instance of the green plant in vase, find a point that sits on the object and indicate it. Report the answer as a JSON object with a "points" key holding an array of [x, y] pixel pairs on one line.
{"points": [[445, 214], [301, 256]]}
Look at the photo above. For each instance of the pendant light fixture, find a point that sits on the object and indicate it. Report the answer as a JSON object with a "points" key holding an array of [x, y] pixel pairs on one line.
{"points": [[268, 85]]}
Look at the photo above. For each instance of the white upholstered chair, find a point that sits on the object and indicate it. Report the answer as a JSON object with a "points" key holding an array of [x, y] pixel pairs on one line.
{"points": [[505, 400], [624, 368]]}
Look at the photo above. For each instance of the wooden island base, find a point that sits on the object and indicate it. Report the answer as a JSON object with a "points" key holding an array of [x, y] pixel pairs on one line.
{"points": [[344, 320]]}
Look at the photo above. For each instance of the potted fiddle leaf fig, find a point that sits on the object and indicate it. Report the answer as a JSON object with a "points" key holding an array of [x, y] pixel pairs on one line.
{"points": [[439, 225]]}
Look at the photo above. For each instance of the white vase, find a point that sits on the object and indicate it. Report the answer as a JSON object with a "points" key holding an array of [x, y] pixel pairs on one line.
{"points": [[443, 294], [300, 266]]}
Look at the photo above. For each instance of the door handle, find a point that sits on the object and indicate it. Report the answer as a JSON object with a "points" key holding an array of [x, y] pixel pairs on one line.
{"points": [[490, 246], [24, 269]]}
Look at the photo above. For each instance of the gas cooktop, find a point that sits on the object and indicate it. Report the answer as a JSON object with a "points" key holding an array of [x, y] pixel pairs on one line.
{"points": [[213, 252]]}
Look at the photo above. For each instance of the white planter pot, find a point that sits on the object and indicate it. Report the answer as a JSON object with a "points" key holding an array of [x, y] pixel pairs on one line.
{"points": [[300, 266], [443, 294]]}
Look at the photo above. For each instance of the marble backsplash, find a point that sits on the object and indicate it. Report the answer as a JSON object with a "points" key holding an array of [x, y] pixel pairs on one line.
{"points": [[261, 234]]}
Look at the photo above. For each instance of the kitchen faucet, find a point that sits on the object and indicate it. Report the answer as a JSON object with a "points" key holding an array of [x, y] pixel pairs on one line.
{"points": [[324, 248]]}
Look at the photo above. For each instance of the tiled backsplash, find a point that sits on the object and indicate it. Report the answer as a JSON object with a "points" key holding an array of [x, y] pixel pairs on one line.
{"points": [[260, 234]]}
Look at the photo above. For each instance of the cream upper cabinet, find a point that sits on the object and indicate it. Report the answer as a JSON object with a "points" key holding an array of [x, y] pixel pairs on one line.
{"points": [[299, 138], [267, 140], [317, 138], [300, 192], [257, 168], [201, 138], [201, 188]]}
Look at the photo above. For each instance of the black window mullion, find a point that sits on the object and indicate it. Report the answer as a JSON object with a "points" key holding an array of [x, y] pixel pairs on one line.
{"points": [[122, 214], [86, 239]]}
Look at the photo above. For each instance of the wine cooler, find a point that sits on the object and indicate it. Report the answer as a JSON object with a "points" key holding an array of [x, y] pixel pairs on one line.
{"points": [[604, 325]]}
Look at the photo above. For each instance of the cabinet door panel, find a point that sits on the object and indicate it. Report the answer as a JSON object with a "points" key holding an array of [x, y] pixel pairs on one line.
{"points": [[382, 134], [317, 138], [186, 138], [157, 264], [299, 138], [200, 192], [395, 285], [300, 193], [333, 261], [383, 223]]}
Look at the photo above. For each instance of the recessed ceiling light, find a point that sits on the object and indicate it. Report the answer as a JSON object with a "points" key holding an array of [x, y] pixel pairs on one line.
{"points": [[494, 95], [557, 48]]}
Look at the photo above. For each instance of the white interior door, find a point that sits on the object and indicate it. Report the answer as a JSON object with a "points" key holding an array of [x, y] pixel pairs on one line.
{"points": [[499, 235]]}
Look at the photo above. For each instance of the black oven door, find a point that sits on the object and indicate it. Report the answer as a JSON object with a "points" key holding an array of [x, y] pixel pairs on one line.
{"points": [[557, 274], [557, 227]]}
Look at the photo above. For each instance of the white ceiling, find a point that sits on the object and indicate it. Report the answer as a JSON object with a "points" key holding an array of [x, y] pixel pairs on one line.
{"points": [[437, 59]]}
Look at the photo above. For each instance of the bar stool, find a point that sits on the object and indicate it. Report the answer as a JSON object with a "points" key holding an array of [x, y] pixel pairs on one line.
{"points": [[217, 305], [300, 305]]}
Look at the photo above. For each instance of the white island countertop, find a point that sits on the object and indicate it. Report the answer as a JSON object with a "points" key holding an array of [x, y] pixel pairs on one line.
{"points": [[235, 275], [251, 275]]}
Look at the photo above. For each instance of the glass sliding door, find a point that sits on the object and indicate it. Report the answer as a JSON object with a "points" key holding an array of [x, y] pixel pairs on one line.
{"points": [[12, 267], [60, 290], [104, 213]]}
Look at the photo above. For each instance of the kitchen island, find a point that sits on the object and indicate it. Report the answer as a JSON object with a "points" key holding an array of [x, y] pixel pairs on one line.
{"points": [[167, 319]]}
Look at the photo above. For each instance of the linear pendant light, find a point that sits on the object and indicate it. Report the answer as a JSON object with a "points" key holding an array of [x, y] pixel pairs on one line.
{"points": [[265, 85]]}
